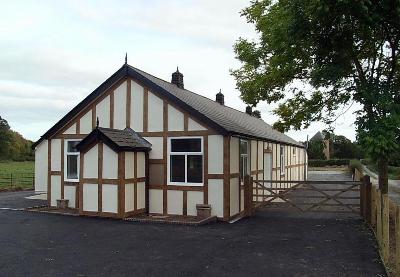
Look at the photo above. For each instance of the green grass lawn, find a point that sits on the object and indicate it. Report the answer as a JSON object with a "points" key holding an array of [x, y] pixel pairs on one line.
{"points": [[21, 172]]}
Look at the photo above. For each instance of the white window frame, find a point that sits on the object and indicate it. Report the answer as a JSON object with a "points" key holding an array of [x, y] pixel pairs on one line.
{"points": [[247, 155], [66, 154], [282, 159], [201, 153]]}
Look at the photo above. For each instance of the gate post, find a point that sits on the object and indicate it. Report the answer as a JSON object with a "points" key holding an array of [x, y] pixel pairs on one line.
{"points": [[367, 199], [362, 199], [248, 195]]}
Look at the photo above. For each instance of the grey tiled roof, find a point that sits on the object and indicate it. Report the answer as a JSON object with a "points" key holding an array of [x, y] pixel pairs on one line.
{"points": [[126, 138], [230, 119]]}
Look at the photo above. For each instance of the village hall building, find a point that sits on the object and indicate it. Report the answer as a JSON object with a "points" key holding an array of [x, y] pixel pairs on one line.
{"points": [[141, 145]]}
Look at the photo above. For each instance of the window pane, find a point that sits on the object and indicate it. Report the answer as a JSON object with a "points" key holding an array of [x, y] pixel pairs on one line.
{"points": [[243, 166], [186, 145], [177, 167], [243, 147], [72, 167], [195, 169], [71, 146]]}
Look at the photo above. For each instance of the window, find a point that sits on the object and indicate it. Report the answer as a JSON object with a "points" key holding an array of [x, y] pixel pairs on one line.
{"points": [[244, 158], [186, 161], [71, 161], [294, 151], [282, 160]]}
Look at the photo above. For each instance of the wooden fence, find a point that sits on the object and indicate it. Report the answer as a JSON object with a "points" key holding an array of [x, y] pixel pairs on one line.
{"points": [[383, 216], [16, 180]]}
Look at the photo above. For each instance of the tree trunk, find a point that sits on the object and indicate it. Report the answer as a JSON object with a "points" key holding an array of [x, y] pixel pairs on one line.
{"points": [[383, 175]]}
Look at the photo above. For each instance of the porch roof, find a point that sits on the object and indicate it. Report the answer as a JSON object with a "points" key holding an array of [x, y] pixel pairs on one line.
{"points": [[118, 140]]}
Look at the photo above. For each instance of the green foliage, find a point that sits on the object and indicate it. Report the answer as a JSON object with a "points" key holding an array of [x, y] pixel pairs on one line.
{"points": [[323, 163], [355, 164], [315, 150], [318, 57], [343, 148], [12, 145], [393, 171]]}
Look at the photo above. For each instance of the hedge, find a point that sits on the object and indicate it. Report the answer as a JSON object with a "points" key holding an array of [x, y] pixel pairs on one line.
{"points": [[356, 164], [322, 163]]}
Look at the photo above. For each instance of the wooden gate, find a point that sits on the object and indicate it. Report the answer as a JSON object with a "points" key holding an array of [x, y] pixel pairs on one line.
{"points": [[304, 196]]}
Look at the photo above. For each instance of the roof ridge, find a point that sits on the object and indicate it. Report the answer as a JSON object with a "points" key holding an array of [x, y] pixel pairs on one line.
{"points": [[169, 83]]}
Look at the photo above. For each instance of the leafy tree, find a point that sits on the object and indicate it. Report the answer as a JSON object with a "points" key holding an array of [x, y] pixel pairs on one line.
{"points": [[315, 150], [318, 57], [343, 148], [12, 145]]}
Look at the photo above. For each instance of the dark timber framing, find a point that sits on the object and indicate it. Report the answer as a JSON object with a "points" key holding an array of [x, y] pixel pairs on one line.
{"points": [[126, 74]]}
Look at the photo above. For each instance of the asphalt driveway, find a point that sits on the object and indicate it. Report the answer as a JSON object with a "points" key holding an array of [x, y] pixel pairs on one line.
{"points": [[274, 242], [20, 200]]}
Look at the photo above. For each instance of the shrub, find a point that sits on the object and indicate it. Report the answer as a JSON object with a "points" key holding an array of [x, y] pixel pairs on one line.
{"points": [[322, 163], [355, 164]]}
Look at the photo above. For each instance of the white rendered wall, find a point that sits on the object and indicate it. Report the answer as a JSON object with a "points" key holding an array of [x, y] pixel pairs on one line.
{"points": [[215, 154], [141, 195], [155, 113], [216, 196], [156, 148], [86, 123], [175, 202], [194, 198], [71, 130], [234, 196], [55, 189], [129, 197], [90, 163], [129, 165], [69, 193], [120, 107], [103, 112], [194, 126], [56, 154], [156, 201], [141, 165], [41, 169], [110, 163], [109, 198], [89, 195], [136, 107], [175, 119], [234, 155]]}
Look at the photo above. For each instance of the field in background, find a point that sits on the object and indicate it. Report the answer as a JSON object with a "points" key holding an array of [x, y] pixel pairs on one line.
{"points": [[16, 175]]}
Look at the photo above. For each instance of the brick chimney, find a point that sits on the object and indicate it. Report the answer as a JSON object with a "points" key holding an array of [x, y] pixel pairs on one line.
{"points": [[249, 110], [177, 78], [219, 97]]}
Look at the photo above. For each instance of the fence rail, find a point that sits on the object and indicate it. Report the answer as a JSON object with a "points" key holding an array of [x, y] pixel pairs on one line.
{"points": [[383, 216], [308, 196], [16, 180]]}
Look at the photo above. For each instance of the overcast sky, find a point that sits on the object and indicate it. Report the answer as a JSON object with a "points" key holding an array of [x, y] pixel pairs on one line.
{"points": [[54, 53]]}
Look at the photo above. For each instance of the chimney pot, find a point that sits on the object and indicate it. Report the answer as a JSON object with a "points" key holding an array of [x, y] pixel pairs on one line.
{"points": [[177, 78], [249, 110], [219, 97]]}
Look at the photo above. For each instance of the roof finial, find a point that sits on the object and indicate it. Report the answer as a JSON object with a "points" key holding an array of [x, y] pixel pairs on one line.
{"points": [[97, 122], [177, 69], [126, 57]]}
